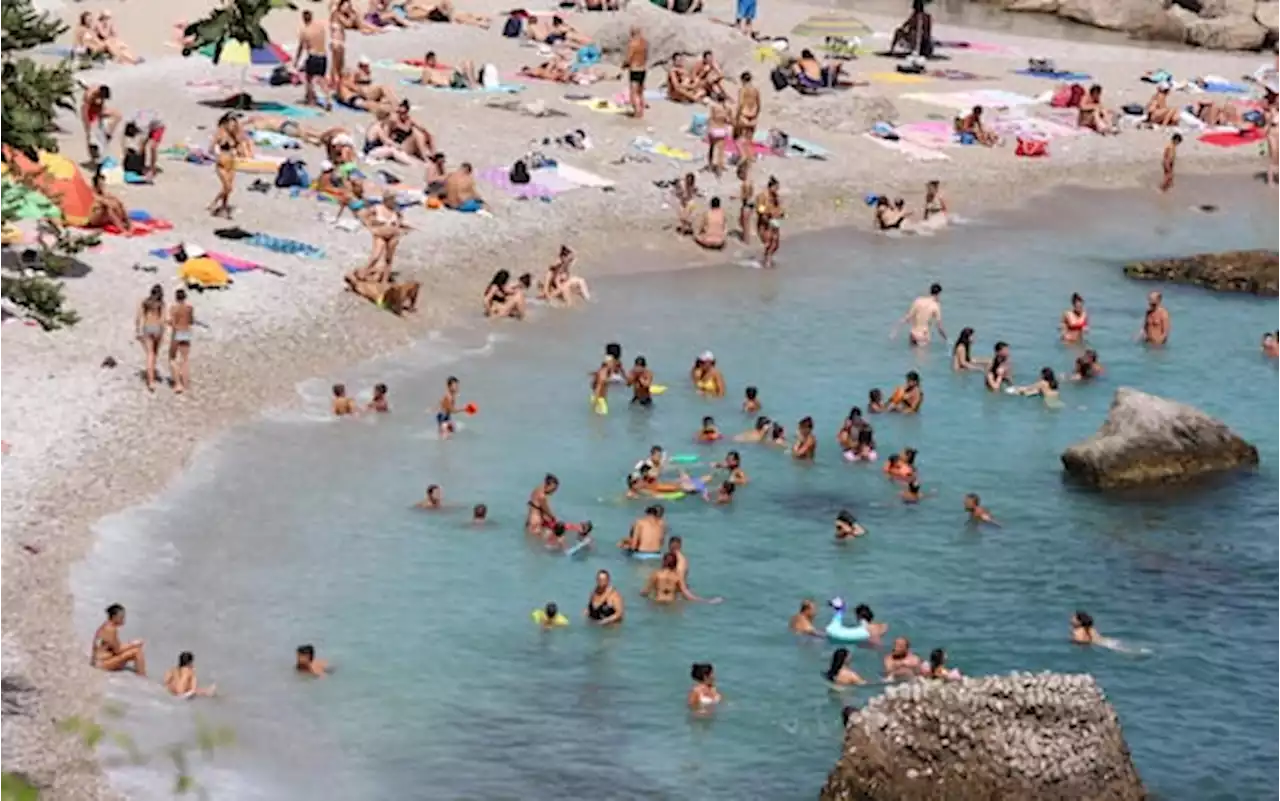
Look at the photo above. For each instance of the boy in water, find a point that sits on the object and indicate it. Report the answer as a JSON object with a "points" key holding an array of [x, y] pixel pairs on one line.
{"points": [[342, 405], [448, 405], [977, 514], [640, 379], [709, 431], [479, 514], [307, 663], [379, 401], [751, 404], [432, 500], [1167, 162]]}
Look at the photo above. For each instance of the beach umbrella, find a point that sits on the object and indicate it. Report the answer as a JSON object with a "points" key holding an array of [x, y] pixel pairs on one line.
{"points": [[238, 53], [841, 26], [60, 180]]}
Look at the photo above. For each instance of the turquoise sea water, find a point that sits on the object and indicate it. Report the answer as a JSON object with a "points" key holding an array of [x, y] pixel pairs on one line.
{"points": [[299, 529]]}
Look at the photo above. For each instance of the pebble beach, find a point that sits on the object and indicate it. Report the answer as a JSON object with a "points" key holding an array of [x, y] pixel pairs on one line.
{"points": [[83, 440]]}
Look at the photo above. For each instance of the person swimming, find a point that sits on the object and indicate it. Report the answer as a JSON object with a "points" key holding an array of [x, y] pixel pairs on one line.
{"points": [[305, 662], [757, 434], [706, 377], [433, 499], [549, 617], [999, 371], [479, 514], [1087, 366], [839, 673], [733, 465], [875, 402], [864, 447], [181, 680], [975, 511], [777, 436], [1046, 387], [847, 526], [936, 667], [709, 431], [704, 694], [751, 401], [802, 622]]}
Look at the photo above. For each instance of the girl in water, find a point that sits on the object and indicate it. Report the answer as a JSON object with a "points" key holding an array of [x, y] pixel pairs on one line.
{"points": [[703, 694], [998, 371], [1087, 366], [839, 673], [935, 206], [1046, 387], [864, 447], [936, 667], [500, 300], [962, 353], [1075, 321], [149, 326]]}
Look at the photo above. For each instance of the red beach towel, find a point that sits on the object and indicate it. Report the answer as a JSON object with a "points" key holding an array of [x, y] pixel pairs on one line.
{"points": [[140, 228], [1232, 139]]}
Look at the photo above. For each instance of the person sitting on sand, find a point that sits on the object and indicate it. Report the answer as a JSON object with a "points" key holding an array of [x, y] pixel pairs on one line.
{"points": [[381, 15], [971, 125], [681, 87], [379, 145], [108, 653], [395, 297], [463, 76], [460, 193], [1093, 115], [108, 210], [888, 217], [411, 135], [712, 230], [357, 89], [562, 31], [811, 75], [443, 11], [181, 680], [1158, 109], [709, 77], [85, 41], [345, 16], [306, 662], [105, 30], [434, 176]]}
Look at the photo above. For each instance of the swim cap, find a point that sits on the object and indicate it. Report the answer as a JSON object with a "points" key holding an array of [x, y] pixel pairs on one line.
{"points": [[707, 356]]}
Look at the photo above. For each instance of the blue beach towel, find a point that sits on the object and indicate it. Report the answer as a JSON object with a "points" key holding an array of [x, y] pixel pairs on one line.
{"points": [[286, 110], [291, 247], [1056, 75], [1226, 88]]}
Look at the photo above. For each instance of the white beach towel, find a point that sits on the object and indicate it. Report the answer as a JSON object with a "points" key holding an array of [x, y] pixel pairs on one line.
{"points": [[582, 177]]}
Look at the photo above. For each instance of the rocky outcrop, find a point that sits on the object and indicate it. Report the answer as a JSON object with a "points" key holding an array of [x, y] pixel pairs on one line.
{"points": [[1149, 440], [1045, 736], [670, 33], [1254, 271], [1213, 24]]}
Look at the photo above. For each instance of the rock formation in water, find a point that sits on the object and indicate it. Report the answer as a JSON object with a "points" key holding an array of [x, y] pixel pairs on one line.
{"points": [[1213, 24], [1256, 271], [1150, 440], [1049, 737]]}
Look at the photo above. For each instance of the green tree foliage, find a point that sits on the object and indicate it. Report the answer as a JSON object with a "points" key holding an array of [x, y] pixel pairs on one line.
{"points": [[232, 21], [33, 94]]}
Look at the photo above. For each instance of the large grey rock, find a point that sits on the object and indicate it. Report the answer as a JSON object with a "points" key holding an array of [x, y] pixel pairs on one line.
{"points": [[1048, 737], [670, 33], [1241, 32], [1037, 6], [1256, 271], [1148, 440], [1267, 14], [1212, 24], [1163, 25], [1116, 15]]}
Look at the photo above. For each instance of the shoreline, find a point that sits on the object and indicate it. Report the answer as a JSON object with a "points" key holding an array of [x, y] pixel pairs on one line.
{"points": [[126, 448]]}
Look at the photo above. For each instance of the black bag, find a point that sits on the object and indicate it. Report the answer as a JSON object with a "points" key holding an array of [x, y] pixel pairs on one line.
{"points": [[513, 26], [519, 172], [779, 78], [288, 175], [280, 76]]}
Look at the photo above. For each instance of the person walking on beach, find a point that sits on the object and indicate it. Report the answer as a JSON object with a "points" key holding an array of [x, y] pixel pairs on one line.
{"points": [[181, 317], [108, 653], [925, 312], [99, 120], [181, 680], [312, 56], [149, 329], [1155, 324], [226, 145], [1166, 163], [636, 63]]}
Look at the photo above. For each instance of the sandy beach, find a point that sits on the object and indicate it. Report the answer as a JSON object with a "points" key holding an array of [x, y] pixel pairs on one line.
{"points": [[83, 440]]}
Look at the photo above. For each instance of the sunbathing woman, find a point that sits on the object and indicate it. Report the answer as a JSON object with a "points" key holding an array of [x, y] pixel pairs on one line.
{"points": [[443, 11], [557, 69], [971, 124], [1158, 110], [105, 30], [1218, 114], [288, 127], [108, 210], [409, 134], [379, 144], [1093, 115], [346, 16], [227, 146], [380, 15]]}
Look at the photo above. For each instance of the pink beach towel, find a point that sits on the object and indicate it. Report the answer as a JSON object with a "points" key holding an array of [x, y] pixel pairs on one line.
{"points": [[543, 183]]}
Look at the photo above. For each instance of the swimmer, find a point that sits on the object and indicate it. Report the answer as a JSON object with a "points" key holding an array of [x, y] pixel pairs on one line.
{"points": [[802, 622], [847, 526], [433, 499], [962, 353], [448, 405], [898, 470], [875, 402], [900, 662], [709, 432], [723, 496], [936, 667], [864, 447], [379, 401], [806, 445], [908, 397], [640, 379], [1271, 344], [539, 514], [751, 401], [703, 694], [181, 680], [647, 533], [866, 618], [733, 464], [479, 514], [305, 662], [1075, 321], [846, 437], [666, 585], [342, 405], [912, 493], [1082, 630], [676, 546], [655, 461], [777, 436], [1087, 366], [554, 537], [1046, 387], [549, 617], [600, 381], [839, 673], [605, 606], [977, 514], [707, 379], [1000, 371], [1155, 323], [758, 434], [925, 313]]}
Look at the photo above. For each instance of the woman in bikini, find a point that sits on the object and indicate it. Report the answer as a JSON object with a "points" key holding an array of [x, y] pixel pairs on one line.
{"points": [[769, 216], [387, 226], [105, 30], [181, 318], [226, 146], [703, 695], [1093, 115], [149, 328], [85, 40], [1075, 321], [605, 606], [962, 353], [108, 210], [935, 206], [108, 653], [719, 129]]}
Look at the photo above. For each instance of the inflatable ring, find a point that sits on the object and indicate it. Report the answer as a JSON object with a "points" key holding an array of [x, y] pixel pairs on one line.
{"points": [[837, 631]]}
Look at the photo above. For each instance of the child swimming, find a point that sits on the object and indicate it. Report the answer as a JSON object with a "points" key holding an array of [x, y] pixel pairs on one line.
{"points": [[751, 401], [709, 432]]}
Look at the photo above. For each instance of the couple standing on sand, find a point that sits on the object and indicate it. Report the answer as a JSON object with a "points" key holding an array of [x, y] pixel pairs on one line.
{"points": [[149, 328]]}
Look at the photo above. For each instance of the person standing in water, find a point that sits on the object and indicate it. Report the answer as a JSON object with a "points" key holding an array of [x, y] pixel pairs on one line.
{"points": [[181, 680], [540, 515], [640, 379], [703, 694], [305, 662], [181, 318], [806, 445], [108, 653], [769, 214], [600, 380], [925, 313], [646, 534], [342, 405], [448, 405], [149, 327], [666, 585], [1156, 322], [1075, 321], [802, 621], [901, 662], [604, 606], [839, 673], [676, 547]]}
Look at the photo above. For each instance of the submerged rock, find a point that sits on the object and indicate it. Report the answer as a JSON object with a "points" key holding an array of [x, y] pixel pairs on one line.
{"points": [[1256, 271], [1051, 737], [1150, 440]]}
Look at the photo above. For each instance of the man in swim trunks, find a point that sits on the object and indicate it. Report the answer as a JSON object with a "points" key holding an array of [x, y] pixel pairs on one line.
{"points": [[666, 584], [460, 193], [802, 621], [646, 534], [901, 663], [636, 63], [312, 55], [925, 312], [342, 405], [434, 499], [540, 515], [306, 662], [448, 405], [746, 118], [1156, 323], [640, 379], [99, 119], [108, 653]]}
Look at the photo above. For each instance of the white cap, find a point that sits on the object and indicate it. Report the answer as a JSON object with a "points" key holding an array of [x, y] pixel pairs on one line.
{"points": [[1164, 86], [364, 61], [326, 165], [192, 250], [707, 356]]}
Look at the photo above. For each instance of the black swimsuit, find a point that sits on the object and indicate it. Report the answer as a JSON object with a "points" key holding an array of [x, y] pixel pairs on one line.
{"points": [[600, 611]]}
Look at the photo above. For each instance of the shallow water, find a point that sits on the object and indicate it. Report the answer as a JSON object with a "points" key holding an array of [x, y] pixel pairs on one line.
{"points": [[298, 529]]}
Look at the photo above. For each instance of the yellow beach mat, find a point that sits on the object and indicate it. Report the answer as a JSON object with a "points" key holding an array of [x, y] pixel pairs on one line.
{"points": [[823, 25], [602, 106], [204, 272], [260, 166], [896, 77]]}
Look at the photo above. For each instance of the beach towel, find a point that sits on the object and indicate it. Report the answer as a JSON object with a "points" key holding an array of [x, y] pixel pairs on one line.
{"points": [[500, 177], [1225, 88], [928, 133], [896, 77], [581, 177], [232, 264], [283, 245], [911, 150], [1232, 138], [500, 89], [834, 24], [803, 148], [236, 102], [977, 47], [143, 225], [1055, 75], [646, 145], [398, 66], [963, 101], [623, 98], [273, 139], [957, 75], [602, 106], [262, 165]]}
